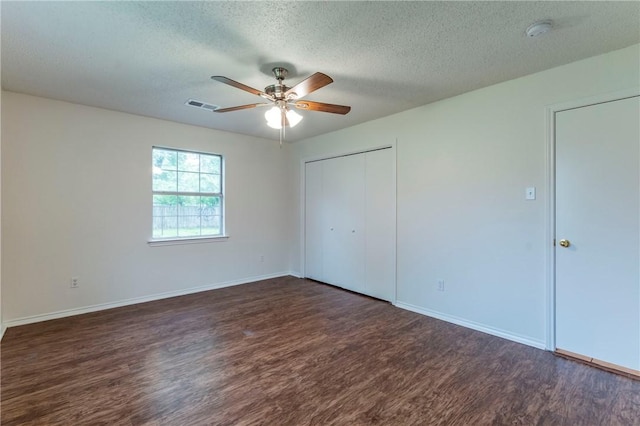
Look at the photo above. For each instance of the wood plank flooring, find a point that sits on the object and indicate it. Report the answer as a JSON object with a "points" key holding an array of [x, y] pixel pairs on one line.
{"points": [[289, 351]]}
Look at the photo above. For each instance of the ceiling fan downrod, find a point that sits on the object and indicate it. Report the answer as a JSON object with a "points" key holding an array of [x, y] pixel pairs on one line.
{"points": [[280, 73]]}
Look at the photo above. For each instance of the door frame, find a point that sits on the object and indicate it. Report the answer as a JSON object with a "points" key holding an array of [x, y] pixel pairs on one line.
{"points": [[550, 186], [303, 202]]}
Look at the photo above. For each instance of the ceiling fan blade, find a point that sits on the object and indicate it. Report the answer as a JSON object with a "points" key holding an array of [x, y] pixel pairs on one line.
{"points": [[319, 106], [310, 84], [238, 108], [237, 85]]}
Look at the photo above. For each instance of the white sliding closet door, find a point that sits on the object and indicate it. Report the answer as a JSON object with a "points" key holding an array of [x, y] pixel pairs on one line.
{"points": [[314, 222], [343, 248], [350, 222]]}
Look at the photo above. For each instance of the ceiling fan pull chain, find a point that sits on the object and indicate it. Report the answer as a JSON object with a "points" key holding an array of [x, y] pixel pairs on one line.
{"points": [[283, 125]]}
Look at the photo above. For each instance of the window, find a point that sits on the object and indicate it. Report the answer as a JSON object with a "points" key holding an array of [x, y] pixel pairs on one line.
{"points": [[187, 194]]}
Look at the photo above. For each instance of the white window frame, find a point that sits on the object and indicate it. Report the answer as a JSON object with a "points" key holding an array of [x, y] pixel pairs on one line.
{"points": [[159, 241]]}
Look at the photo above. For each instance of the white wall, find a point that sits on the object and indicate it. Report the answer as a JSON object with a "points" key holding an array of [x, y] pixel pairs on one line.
{"points": [[462, 168], [76, 201]]}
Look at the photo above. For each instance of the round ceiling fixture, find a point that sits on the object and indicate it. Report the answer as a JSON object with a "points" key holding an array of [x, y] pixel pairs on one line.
{"points": [[539, 27]]}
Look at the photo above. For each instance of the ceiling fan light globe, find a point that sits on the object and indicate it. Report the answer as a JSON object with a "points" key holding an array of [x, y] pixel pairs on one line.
{"points": [[293, 117], [274, 124], [273, 117]]}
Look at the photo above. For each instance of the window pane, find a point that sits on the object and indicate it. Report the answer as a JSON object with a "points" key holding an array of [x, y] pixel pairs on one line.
{"points": [[189, 226], [211, 225], [164, 180], [211, 216], [164, 202], [165, 214], [188, 161], [187, 204], [164, 159], [165, 226], [209, 183], [188, 182], [211, 204], [210, 164], [189, 216]]}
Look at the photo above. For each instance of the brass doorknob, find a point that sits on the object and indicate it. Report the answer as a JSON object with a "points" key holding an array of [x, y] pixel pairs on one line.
{"points": [[564, 243]]}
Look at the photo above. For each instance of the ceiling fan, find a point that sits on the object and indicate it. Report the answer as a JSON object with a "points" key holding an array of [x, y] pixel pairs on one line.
{"points": [[282, 97]]}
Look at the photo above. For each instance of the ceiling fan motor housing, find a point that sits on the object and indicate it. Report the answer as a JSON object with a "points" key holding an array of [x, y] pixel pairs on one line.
{"points": [[276, 90]]}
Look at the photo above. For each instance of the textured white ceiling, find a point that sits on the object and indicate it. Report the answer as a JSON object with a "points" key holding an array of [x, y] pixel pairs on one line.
{"points": [[148, 58]]}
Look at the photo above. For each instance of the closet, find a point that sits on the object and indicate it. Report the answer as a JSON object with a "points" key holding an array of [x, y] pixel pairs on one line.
{"points": [[350, 222]]}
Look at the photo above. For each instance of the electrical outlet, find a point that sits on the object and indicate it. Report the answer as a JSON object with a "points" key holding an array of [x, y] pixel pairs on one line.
{"points": [[440, 285], [75, 282], [530, 193]]}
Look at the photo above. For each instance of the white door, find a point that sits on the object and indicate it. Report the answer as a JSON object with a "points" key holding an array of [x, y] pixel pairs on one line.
{"points": [[597, 212], [344, 231]]}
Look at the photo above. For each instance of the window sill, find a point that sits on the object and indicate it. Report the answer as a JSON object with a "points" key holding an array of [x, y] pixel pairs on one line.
{"points": [[193, 240]]}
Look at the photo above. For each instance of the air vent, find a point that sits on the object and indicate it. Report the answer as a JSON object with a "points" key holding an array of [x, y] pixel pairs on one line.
{"points": [[201, 105]]}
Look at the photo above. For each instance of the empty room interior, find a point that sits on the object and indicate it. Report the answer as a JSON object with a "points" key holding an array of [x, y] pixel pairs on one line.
{"points": [[327, 213]]}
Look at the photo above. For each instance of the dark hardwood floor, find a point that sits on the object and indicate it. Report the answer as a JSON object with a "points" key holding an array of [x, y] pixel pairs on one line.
{"points": [[292, 352]]}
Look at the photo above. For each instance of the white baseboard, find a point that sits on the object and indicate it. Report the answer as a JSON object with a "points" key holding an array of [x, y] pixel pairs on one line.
{"points": [[296, 274], [120, 303], [3, 328], [473, 325]]}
